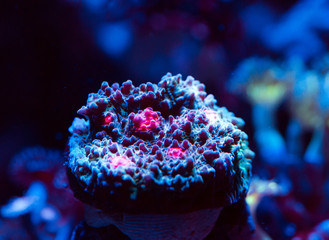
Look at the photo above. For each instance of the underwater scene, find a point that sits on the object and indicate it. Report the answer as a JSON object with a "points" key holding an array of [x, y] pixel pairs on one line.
{"points": [[164, 120]]}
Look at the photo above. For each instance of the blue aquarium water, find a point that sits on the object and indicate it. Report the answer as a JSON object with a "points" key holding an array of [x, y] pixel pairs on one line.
{"points": [[105, 134]]}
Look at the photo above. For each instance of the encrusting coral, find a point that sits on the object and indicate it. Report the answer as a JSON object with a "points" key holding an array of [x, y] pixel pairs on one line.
{"points": [[162, 153]]}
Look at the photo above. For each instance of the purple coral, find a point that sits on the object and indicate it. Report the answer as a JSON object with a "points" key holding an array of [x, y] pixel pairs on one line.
{"points": [[36, 164], [47, 209], [162, 153]]}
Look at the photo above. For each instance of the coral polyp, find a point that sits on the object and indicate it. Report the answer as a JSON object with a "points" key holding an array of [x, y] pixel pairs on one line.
{"points": [[146, 120], [158, 149], [263, 81], [120, 161]]}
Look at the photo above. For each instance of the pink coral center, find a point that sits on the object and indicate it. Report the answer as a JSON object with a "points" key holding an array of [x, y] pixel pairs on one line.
{"points": [[175, 152], [120, 161], [108, 119], [211, 115], [147, 120]]}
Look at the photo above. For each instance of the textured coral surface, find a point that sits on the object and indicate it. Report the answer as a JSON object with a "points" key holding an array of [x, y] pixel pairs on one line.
{"points": [[163, 147]]}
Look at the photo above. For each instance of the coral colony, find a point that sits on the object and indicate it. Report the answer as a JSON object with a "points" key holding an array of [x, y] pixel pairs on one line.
{"points": [[157, 161]]}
